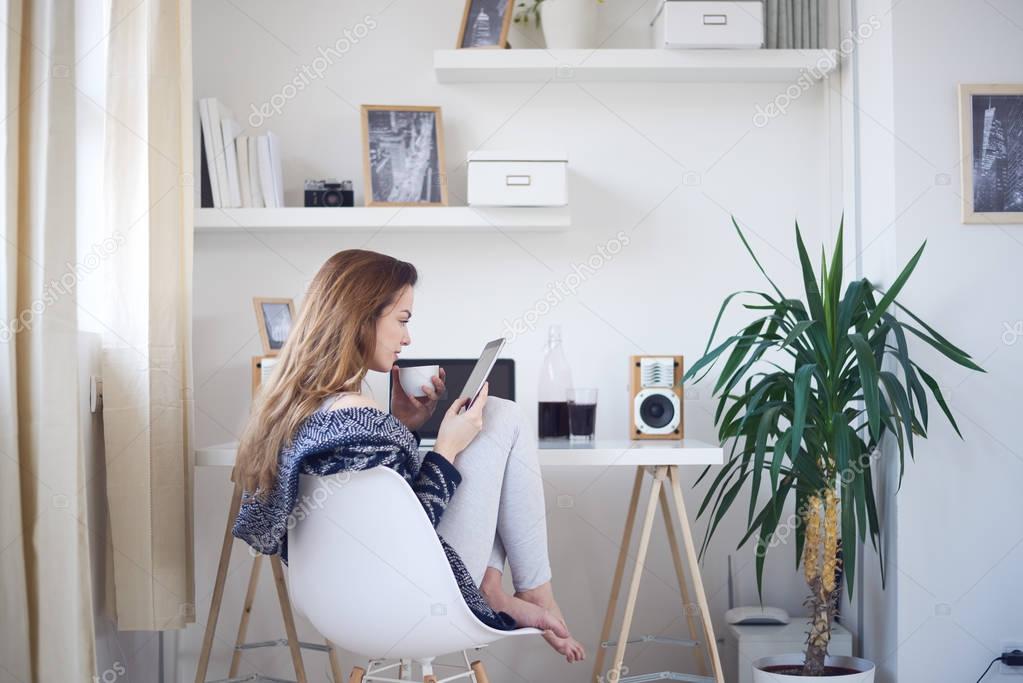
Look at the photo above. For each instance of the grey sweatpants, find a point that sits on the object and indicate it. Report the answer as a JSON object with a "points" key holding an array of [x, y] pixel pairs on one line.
{"points": [[498, 510]]}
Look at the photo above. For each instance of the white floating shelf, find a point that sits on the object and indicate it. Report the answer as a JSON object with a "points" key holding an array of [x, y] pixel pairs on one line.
{"points": [[385, 219], [727, 66]]}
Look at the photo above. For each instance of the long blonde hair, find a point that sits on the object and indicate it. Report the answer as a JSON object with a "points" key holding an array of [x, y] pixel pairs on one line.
{"points": [[328, 350]]}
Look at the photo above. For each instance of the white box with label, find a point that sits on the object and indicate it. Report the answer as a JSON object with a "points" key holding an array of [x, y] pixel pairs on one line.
{"points": [[709, 24], [500, 178]]}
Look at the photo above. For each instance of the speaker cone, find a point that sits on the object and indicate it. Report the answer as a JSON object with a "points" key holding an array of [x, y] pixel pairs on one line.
{"points": [[656, 410]]}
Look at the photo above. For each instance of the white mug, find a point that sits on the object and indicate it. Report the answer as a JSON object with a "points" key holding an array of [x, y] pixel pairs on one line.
{"points": [[413, 378]]}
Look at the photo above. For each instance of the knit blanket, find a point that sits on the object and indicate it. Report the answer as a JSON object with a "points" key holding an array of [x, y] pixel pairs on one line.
{"points": [[352, 439]]}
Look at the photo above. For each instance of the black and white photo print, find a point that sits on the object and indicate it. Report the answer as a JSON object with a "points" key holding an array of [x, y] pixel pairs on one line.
{"points": [[992, 136], [274, 317], [403, 156], [485, 23]]}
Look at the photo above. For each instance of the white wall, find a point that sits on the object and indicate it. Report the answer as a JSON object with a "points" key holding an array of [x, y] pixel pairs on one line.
{"points": [[951, 599], [871, 252], [960, 547], [630, 145]]}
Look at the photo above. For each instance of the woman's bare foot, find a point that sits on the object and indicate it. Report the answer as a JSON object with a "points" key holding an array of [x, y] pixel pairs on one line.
{"points": [[543, 595], [524, 613]]}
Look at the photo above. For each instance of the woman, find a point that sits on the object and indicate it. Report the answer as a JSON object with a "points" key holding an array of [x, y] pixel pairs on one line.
{"points": [[313, 419]]}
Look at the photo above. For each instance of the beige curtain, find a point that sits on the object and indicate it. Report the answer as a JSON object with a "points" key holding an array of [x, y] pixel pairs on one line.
{"points": [[46, 612], [147, 364]]}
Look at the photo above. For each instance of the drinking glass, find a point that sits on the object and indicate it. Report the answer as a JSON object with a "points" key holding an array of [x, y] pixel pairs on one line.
{"points": [[582, 414]]}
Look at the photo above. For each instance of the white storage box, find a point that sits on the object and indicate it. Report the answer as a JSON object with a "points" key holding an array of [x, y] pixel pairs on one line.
{"points": [[709, 24], [517, 179]]}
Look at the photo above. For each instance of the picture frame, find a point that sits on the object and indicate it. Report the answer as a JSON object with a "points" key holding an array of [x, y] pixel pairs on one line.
{"points": [[485, 24], [274, 318], [403, 155], [261, 369], [991, 152]]}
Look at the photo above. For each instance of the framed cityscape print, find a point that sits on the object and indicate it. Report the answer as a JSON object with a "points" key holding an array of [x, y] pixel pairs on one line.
{"points": [[403, 156], [991, 139], [485, 24]]}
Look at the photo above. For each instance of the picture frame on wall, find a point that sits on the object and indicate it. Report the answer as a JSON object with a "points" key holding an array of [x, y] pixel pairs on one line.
{"points": [[275, 318], [991, 151], [485, 24], [403, 156]]}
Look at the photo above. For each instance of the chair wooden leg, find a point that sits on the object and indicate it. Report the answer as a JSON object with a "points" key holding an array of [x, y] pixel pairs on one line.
{"points": [[637, 573], [335, 664], [289, 618], [480, 672], [218, 585], [243, 624], [676, 559], [694, 572], [357, 675], [616, 582]]}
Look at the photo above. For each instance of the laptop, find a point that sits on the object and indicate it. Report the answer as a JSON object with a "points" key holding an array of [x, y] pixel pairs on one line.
{"points": [[457, 371]]}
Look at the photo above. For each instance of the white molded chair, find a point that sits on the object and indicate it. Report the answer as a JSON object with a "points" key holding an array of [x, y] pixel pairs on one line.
{"points": [[365, 566]]}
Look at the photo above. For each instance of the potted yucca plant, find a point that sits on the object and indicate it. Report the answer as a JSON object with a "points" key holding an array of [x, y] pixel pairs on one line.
{"points": [[807, 394]]}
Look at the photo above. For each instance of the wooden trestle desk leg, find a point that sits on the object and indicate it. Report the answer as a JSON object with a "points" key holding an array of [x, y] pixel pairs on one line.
{"points": [[694, 568], [243, 624], [282, 596], [289, 618], [218, 584], [637, 573], [676, 559], [335, 663], [664, 477], [616, 582]]}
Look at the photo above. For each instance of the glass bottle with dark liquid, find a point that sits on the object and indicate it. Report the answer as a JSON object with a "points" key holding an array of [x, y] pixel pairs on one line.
{"points": [[555, 381]]}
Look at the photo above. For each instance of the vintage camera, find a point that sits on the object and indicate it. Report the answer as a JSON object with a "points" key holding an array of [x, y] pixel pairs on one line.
{"points": [[329, 192]]}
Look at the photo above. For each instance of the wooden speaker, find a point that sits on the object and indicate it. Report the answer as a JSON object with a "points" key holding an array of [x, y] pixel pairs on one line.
{"points": [[655, 405]]}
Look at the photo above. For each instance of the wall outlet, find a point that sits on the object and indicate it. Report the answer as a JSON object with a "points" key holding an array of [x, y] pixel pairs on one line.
{"points": [[1009, 646]]}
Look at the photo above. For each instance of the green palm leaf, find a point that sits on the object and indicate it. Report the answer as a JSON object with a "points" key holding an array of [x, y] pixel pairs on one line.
{"points": [[807, 392]]}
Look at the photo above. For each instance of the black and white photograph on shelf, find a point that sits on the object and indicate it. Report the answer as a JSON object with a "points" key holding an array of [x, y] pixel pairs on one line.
{"points": [[403, 156], [274, 317], [991, 134], [485, 24]]}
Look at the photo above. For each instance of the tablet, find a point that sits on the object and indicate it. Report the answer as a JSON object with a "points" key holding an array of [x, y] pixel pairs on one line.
{"points": [[479, 375]]}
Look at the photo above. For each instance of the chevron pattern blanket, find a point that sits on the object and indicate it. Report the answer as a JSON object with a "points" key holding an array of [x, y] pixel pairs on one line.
{"points": [[351, 439]]}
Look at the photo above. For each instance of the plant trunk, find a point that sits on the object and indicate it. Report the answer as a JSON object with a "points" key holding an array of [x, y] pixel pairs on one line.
{"points": [[822, 608], [820, 566]]}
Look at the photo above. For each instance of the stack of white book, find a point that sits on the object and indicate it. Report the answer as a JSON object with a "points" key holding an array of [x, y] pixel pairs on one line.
{"points": [[243, 170]]}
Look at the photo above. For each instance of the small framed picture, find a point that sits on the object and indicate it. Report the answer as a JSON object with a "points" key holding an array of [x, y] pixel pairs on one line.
{"points": [[485, 24], [274, 317], [991, 139], [403, 156], [262, 368]]}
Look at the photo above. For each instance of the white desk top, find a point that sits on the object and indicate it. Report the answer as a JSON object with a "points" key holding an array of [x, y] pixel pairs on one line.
{"points": [[622, 452], [562, 453]]}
